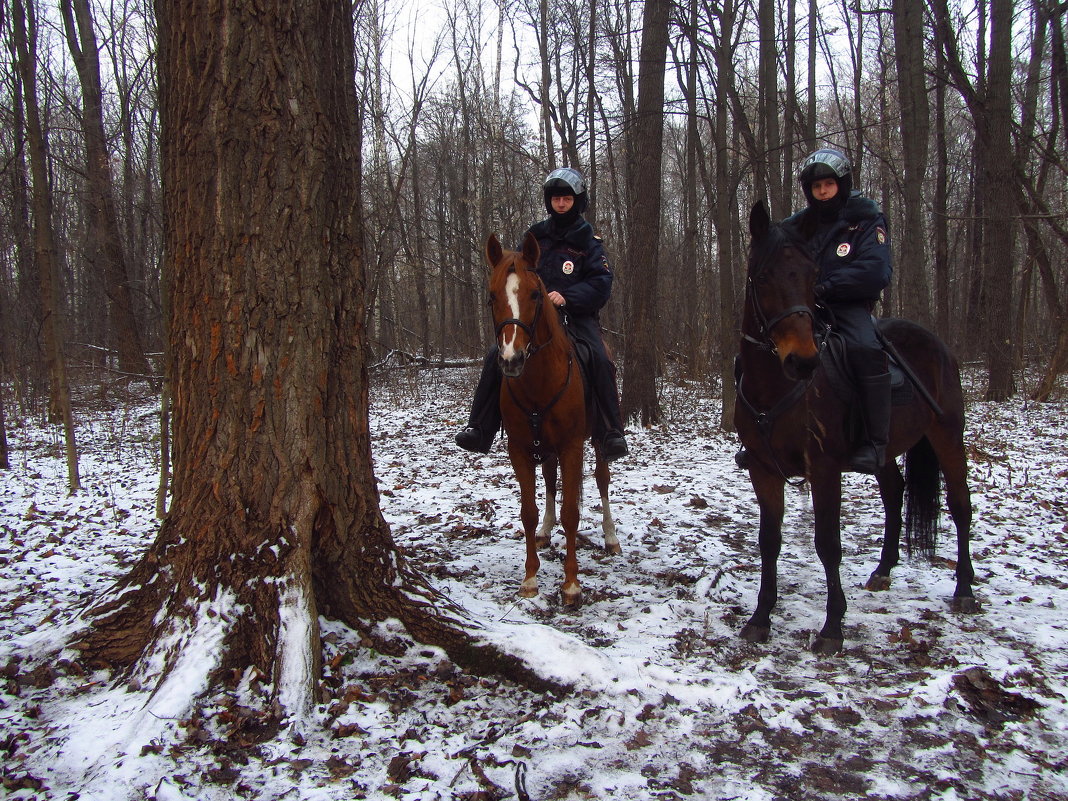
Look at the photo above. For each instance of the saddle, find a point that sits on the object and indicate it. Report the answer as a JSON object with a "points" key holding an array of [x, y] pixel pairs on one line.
{"points": [[843, 381]]}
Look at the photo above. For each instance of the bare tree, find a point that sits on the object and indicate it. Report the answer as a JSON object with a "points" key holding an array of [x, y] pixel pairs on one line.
{"points": [[639, 398], [25, 34], [104, 247], [989, 101], [910, 251]]}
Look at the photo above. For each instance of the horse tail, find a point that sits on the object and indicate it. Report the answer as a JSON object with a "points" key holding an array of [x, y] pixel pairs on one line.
{"points": [[923, 486]]}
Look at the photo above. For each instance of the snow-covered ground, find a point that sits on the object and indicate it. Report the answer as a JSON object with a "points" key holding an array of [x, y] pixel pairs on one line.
{"points": [[668, 703]]}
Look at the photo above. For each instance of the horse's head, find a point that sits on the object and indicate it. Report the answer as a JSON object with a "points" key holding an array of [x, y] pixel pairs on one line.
{"points": [[516, 298], [780, 301]]}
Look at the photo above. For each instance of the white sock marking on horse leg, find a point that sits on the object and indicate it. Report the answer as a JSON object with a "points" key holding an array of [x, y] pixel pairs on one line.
{"points": [[608, 525], [548, 520]]}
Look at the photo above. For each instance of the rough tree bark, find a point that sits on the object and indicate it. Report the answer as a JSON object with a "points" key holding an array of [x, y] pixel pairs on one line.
{"points": [[275, 517], [644, 197]]}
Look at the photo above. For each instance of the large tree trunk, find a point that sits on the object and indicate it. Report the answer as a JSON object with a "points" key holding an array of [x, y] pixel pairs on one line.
{"points": [[275, 516], [105, 249], [644, 192]]}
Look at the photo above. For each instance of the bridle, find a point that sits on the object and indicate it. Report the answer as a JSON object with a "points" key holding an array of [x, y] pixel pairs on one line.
{"points": [[531, 347], [765, 420], [766, 324]]}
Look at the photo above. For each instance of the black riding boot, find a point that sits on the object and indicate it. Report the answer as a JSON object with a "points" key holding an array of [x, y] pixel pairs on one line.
{"points": [[607, 419], [485, 419], [874, 393]]}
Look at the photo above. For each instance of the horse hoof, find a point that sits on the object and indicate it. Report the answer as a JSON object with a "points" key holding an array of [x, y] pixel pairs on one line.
{"points": [[964, 603], [877, 583], [613, 548], [755, 634], [542, 542], [528, 589], [825, 646], [571, 598]]}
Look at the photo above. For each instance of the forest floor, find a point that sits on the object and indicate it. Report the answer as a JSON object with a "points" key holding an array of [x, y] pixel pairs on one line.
{"points": [[668, 702]]}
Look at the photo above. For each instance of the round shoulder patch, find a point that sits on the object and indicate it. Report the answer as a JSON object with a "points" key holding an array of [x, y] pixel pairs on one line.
{"points": [[568, 267], [880, 235], [843, 249]]}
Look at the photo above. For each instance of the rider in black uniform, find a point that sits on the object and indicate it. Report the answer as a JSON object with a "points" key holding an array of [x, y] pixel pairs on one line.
{"points": [[847, 234], [574, 268]]}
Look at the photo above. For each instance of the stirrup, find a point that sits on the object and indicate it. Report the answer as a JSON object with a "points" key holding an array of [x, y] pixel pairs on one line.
{"points": [[742, 458]]}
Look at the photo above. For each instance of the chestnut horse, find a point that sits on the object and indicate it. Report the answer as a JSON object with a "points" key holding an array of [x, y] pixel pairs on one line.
{"points": [[793, 423], [543, 407]]}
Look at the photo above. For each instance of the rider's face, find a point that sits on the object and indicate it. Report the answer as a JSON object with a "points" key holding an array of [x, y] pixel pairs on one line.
{"points": [[562, 203], [824, 188]]}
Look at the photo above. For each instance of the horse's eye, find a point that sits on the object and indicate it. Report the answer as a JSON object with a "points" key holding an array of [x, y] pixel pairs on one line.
{"points": [[534, 294]]}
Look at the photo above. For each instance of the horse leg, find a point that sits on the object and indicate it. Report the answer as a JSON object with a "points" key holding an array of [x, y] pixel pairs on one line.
{"points": [[959, 501], [528, 513], [769, 492], [892, 491], [548, 518], [603, 476], [827, 511], [571, 475]]}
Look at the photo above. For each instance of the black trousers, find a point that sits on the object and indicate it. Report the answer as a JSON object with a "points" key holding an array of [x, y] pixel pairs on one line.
{"points": [[853, 321]]}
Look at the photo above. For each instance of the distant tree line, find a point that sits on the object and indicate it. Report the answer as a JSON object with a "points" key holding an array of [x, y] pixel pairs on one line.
{"points": [[954, 114]]}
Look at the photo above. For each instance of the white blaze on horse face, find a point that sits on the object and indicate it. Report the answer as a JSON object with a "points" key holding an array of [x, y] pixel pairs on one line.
{"points": [[511, 291]]}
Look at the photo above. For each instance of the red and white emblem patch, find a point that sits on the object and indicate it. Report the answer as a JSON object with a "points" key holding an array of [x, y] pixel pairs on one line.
{"points": [[843, 249], [568, 268], [880, 234]]}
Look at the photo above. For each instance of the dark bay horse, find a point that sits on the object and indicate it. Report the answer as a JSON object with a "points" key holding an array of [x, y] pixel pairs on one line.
{"points": [[794, 424], [543, 407]]}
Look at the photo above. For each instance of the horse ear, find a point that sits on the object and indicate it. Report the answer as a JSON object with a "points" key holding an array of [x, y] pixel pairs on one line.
{"points": [[531, 251], [759, 220], [494, 252]]}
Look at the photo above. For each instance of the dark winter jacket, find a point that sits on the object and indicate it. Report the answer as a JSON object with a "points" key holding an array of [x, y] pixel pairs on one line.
{"points": [[853, 251], [573, 263]]}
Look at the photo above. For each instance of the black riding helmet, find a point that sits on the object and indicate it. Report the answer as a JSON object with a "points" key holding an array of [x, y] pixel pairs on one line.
{"points": [[565, 181], [826, 163]]}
